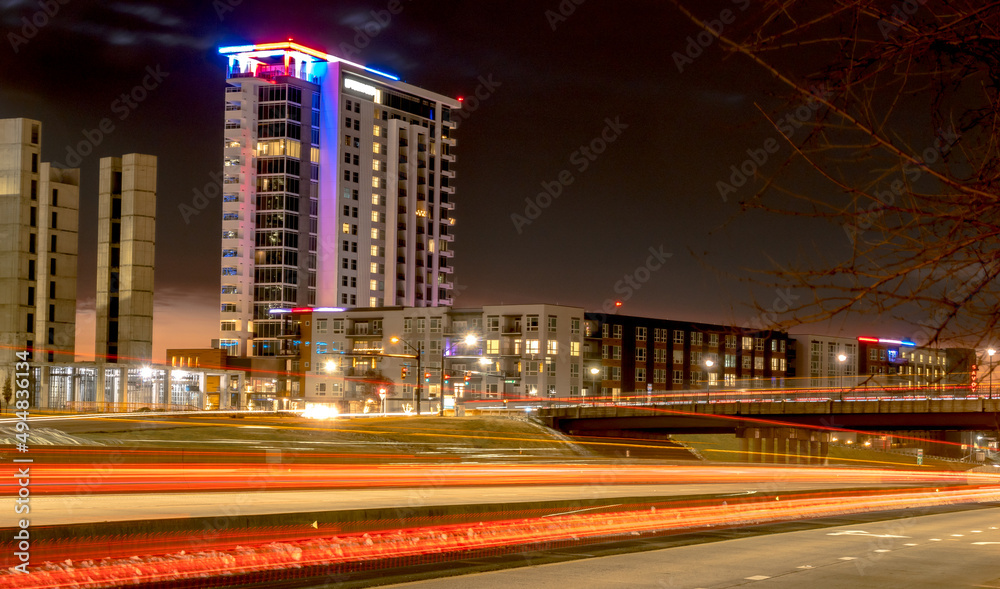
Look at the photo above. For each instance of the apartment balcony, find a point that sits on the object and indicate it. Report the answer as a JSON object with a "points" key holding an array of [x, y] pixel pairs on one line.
{"points": [[512, 329], [366, 332]]}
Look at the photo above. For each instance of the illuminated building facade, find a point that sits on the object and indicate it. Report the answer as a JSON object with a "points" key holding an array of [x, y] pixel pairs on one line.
{"points": [[814, 361], [39, 218], [890, 362], [337, 191], [639, 355], [478, 357]]}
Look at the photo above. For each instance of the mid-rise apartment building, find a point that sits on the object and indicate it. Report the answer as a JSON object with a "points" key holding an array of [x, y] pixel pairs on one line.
{"points": [[338, 191], [39, 219], [126, 251], [891, 362], [464, 357], [638, 355], [822, 361]]}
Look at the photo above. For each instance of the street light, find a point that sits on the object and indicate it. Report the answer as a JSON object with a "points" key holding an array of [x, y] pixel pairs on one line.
{"points": [[842, 358], [416, 387], [469, 340], [708, 375], [990, 353], [485, 362]]}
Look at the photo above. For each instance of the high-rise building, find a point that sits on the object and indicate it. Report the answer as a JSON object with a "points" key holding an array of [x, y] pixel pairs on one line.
{"points": [[39, 210], [337, 191], [126, 243]]}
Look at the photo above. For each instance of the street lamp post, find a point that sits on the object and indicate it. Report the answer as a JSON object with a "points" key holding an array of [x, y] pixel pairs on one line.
{"points": [[484, 362], [990, 353], [593, 374], [469, 340], [842, 358], [708, 378], [419, 375]]}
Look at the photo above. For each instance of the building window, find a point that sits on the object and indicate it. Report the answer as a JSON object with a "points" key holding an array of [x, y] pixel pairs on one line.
{"points": [[730, 342], [713, 340], [616, 331], [758, 344], [532, 323], [604, 330], [574, 348], [758, 363], [697, 338], [746, 362], [531, 346], [493, 323], [552, 347], [678, 377], [678, 356], [640, 354], [640, 375], [640, 334], [747, 343], [574, 326], [678, 336]]}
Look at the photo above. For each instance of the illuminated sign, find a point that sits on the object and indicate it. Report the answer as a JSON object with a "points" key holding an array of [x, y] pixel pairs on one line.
{"points": [[352, 84], [875, 340]]}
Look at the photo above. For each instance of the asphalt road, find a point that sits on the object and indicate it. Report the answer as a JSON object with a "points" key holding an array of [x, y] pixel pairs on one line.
{"points": [[49, 510], [948, 550]]}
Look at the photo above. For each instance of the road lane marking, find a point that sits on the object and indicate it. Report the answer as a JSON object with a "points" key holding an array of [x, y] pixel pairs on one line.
{"points": [[757, 578], [882, 550], [847, 558], [983, 543], [935, 539], [958, 535], [909, 544], [864, 533], [579, 510]]}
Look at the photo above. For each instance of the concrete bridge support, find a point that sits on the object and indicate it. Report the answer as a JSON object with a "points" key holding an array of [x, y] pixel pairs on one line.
{"points": [[783, 445]]}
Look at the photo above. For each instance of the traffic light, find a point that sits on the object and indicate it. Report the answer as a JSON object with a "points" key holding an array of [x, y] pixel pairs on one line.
{"points": [[446, 378], [427, 377], [405, 370], [468, 375]]}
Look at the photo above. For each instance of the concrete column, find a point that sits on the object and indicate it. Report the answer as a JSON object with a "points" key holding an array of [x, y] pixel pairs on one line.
{"points": [[745, 449], [769, 444], [73, 388], [241, 390], [757, 450], [99, 384], [814, 452], [168, 396], [824, 453], [223, 392], [119, 390], [781, 451], [43, 388], [803, 451]]}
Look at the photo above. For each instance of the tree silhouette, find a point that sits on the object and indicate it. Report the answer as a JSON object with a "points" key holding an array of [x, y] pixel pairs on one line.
{"points": [[889, 127]]}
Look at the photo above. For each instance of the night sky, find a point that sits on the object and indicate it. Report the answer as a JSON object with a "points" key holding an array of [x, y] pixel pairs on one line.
{"points": [[549, 85]]}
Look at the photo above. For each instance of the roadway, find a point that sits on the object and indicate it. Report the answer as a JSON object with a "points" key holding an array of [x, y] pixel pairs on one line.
{"points": [[954, 550], [52, 510]]}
